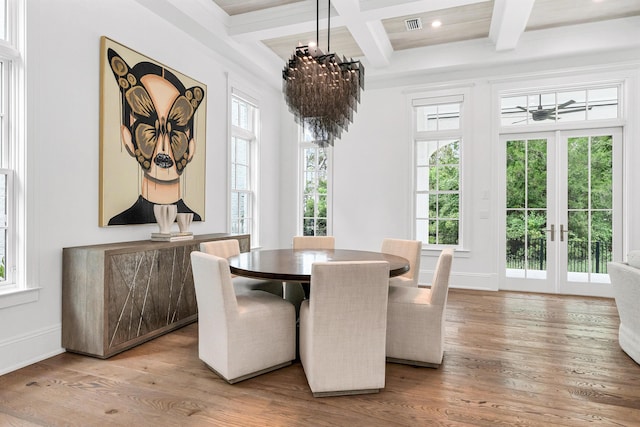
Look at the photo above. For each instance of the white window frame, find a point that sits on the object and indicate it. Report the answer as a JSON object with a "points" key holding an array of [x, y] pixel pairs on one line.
{"points": [[463, 134], [253, 136], [19, 288], [301, 182]]}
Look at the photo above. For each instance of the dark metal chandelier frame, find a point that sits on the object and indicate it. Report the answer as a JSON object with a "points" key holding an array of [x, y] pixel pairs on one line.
{"points": [[322, 90]]}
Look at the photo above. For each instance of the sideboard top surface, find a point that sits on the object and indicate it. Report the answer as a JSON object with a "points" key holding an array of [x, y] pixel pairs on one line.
{"points": [[152, 244]]}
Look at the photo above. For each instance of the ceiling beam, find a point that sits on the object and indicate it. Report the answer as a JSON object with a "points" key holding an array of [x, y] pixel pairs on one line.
{"points": [[508, 22], [370, 36]]}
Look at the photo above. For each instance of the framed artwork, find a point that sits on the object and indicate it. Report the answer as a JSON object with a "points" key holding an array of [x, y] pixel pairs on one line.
{"points": [[152, 138]]}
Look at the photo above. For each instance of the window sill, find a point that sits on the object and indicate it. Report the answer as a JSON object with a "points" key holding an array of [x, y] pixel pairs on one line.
{"points": [[13, 296], [434, 251]]}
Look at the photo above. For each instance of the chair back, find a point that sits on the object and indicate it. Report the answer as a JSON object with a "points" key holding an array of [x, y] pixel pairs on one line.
{"points": [[440, 281], [348, 303], [221, 248], [215, 295], [314, 242], [409, 249]]}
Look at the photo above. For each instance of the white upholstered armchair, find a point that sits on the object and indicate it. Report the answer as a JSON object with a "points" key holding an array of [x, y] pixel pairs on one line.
{"points": [[244, 335], [415, 319], [343, 326], [625, 279]]}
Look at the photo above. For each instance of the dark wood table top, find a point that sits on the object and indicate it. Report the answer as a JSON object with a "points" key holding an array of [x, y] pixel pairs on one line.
{"points": [[295, 265]]}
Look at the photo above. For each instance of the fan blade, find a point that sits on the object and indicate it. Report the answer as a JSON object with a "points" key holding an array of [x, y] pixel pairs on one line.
{"points": [[519, 121], [522, 108], [565, 104]]}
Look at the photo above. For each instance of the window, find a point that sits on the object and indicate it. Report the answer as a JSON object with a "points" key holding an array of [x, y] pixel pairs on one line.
{"points": [[572, 105], [314, 179], [11, 97], [438, 143], [243, 171]]}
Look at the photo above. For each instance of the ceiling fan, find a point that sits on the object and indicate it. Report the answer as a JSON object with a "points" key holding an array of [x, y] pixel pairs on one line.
{"points": [[540, 113]]}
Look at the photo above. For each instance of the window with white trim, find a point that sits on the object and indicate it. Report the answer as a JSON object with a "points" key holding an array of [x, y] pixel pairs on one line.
{"points": [[11, 97], [437, 188], [314, 182], [245, 119]]}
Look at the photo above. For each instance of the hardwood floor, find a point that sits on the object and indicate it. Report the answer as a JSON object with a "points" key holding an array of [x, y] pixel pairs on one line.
{"points": [[510, 359]]}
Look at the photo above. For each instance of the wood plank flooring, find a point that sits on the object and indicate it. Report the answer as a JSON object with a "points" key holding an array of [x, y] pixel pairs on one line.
{"points": [[511, 359]]}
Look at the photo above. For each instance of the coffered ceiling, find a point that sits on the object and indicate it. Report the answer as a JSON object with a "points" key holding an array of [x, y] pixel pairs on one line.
{"points": [[472, 34]]}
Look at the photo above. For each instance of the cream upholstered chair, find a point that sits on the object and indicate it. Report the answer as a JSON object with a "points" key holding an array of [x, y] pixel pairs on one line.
{"points": [[625, 279], [231, 247], [342, 328], [314, 242], [239, 336], [409, 249], [415, 319]]}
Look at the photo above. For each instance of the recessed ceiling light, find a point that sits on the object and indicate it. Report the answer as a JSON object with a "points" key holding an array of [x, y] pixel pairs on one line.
{"points": [[436, 24]]}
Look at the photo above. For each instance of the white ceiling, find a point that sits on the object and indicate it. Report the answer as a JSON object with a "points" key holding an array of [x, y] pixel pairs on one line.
{"points": [[474, 33]]}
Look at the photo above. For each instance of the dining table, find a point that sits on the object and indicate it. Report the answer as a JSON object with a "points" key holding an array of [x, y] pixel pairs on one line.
{"points": [[295, 265]]}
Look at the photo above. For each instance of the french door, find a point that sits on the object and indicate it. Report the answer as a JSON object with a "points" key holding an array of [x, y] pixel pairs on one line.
{"points": [[562, 210]]}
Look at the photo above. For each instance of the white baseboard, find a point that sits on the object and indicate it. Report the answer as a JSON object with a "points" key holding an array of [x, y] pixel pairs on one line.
{"points": [[21, 351]]}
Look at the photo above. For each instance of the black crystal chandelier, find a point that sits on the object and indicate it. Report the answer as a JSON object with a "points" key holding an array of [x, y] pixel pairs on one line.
{"points": [[322, 90]]}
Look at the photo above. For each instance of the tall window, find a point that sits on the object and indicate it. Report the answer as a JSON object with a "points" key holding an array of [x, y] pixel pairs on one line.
{"points": [[314, 179], [438, 143], [244, 139], [10, 149]]}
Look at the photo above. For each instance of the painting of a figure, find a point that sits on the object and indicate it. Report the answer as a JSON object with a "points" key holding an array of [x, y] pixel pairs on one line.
{"points": [[152, 138]]}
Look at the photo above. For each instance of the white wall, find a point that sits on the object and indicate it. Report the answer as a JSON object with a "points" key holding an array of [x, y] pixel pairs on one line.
{"points": [[63, 46]]}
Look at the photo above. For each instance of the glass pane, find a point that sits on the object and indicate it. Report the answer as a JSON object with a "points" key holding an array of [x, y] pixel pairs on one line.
{"points": [[513, 110], [537, 173], [422, 231], [308, 227], [322, 206], [448, 232], [578, 242], [234, 205], [321, 229], [422, 205], [449, 152], [536, 254], [233, 176], [422, 179], [3, 204], [448, 206], [448, 178], [234, 112], [578, 173], [433, 205], [515, 174], [242, 151], [448, 116], [310, 182], [515, 239], [242, 177], [601, 241], [433, 232], [601, 172], [433, 177], [309, 206], [427, 118], [603, 103], [571, 105], [422, 156]]}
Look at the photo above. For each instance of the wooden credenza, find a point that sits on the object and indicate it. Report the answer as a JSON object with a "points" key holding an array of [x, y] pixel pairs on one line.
{"points": [[118, 295]]}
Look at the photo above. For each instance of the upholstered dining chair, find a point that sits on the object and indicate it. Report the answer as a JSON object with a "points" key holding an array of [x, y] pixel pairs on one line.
{"points": [[416, 319], [239, 335], [343, 328], [409, 249], [314, 242], [230, 247]]}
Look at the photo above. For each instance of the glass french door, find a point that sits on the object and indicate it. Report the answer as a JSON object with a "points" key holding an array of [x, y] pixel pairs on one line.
{"points": [[562, 221]]}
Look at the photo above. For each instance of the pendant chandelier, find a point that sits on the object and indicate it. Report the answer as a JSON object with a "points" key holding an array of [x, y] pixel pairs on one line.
{"points": [[322, 90]]}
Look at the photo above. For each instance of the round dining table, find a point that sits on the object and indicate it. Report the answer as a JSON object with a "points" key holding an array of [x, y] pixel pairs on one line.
{"points": [[294, 265]]}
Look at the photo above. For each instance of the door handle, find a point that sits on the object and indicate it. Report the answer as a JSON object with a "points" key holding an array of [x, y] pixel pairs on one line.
{"points": [[562, 231], [552, 230]]}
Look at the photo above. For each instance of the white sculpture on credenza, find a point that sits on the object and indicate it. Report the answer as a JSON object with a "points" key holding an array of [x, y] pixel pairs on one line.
{"points": [[165, 217]]}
